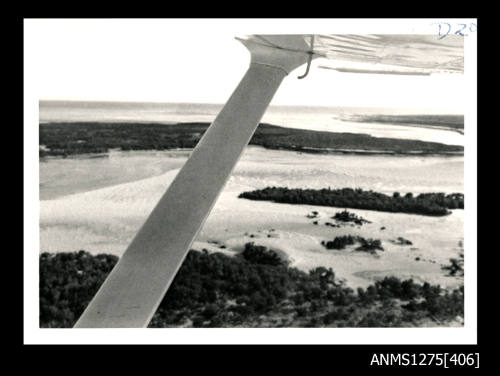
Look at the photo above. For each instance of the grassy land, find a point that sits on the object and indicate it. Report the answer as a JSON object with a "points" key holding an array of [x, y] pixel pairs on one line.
{"points": [[65, 139], [425, 203], [254, 289]]}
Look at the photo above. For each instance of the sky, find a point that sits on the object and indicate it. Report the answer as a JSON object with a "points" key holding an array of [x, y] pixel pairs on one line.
{"points": [[183, 60]]}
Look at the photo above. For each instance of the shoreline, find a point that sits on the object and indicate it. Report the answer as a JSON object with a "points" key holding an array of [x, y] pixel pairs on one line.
{"points": [[443, 122], [325, 151], [91, 138], [333, 151], [143, 164]]}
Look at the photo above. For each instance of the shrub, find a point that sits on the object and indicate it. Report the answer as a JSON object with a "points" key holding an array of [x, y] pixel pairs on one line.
{"points": [[256, 254], [370, 245]]}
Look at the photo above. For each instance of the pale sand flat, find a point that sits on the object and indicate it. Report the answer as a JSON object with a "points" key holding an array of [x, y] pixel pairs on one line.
{"points": [[105, 220]]}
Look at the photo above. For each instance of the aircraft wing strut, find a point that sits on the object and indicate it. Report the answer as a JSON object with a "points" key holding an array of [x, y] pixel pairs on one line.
{"points": [[132, 292]]}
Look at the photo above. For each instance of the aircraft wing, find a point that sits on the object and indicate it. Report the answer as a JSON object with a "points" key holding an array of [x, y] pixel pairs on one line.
{"points": [[379, 53], [135, 287]]}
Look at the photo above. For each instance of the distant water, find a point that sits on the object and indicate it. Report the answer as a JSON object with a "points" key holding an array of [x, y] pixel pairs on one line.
{"points": [[331, 119], [384, 173]]}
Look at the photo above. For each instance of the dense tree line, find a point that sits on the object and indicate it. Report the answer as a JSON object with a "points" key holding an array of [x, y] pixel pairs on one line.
{"points": [[314, 141], [253, 289], [65, 139], [435, 204]]}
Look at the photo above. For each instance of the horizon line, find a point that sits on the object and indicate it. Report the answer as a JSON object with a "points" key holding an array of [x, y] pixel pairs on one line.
{"points": [[222, 104]]}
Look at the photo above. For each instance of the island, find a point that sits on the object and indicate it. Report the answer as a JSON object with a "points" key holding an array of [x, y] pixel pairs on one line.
{"points": [[436, 204], [64, 139]]}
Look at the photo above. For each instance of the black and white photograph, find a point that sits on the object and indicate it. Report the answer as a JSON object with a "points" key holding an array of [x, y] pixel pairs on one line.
{"points": [[250, 181]]}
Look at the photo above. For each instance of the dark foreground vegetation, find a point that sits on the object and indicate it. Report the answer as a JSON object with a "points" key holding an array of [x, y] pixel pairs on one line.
{"points": [[425, 203], [65, 139], [254, 289]]}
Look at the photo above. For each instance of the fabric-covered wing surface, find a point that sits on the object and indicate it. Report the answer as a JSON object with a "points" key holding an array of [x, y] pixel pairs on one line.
{"points": [[376, 53]]}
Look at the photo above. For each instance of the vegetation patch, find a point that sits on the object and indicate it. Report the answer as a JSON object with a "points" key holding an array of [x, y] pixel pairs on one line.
{"points": [[71, 138], [257, 254], [401, 241], [435, 204], [345, 216], [370, 245], [313, 214], [456, 267], [365, 245], [254, 289]]}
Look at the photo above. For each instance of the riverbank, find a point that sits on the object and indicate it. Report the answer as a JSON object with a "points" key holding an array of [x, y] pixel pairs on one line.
{"points": [[65, 139]]}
